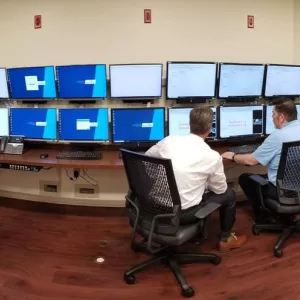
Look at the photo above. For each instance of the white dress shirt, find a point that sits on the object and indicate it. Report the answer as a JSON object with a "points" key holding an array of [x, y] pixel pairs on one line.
{"points": [[196, 167]]}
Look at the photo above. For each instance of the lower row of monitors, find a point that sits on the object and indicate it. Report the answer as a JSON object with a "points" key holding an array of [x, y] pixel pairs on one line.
{"points": [[131, 124]]}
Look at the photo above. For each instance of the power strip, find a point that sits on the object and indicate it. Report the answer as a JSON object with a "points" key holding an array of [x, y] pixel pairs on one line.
{"points": [[17, 167]]}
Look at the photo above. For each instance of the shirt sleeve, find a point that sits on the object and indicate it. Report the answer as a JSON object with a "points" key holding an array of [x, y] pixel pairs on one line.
{"points": [[268, 149], [217, 180], [155, 150]]}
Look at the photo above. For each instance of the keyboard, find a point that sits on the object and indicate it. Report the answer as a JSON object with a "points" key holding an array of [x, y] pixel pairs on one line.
{"points": [[244, 149], [93, 155]]}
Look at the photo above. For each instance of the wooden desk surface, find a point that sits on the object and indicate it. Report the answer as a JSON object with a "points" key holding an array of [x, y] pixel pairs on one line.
{"points": [[110, 159]]}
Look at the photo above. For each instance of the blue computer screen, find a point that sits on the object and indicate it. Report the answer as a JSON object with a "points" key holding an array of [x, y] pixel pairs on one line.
{"points": [[138, 125], [33, 123], [88, 124], [82, 81], [32, 83]]}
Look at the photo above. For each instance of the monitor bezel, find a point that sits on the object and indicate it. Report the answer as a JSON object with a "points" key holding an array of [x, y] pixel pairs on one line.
{"points": [[136, 97], [32, 138], [151, 142], [30, 98], [85, 140], [7, 86], [252, 136], [250, 97], [80, 98], [188, 107], [191, 98], [265, 81], [8, 115]]}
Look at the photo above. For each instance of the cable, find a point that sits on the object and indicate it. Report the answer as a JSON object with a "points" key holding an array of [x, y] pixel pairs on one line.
{"points": [[71, 178], [85, 174]]}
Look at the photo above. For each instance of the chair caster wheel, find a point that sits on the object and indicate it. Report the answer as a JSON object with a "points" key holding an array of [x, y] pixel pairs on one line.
{"points": [[255, 230], [278, 253], [216, 261], [129, 279], [188, 293]]}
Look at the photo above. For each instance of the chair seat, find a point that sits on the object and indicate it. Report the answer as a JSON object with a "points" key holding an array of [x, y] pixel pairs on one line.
{"points": [[275, 206], [183, 235]]}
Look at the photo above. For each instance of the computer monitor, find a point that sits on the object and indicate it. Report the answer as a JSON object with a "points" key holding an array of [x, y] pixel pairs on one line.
{"points": [[3, 84], [282, 80], [239, 121], [241, 80], [34, 123], [81, 81], [32, 83], [4, 124], [179, 121], [136, 81], [270, 127], [188, 80], [83, 124], [138, 125]]}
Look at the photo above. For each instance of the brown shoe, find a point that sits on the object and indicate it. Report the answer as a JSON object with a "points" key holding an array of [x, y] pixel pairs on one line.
{"points": [[233, 242]]}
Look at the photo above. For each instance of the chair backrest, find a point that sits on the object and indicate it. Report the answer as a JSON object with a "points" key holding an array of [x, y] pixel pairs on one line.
{"points": [[152, 184], [288, 175]]}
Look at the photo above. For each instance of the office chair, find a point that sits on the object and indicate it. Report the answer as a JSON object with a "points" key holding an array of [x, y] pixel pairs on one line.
{"points": [[288, 192], [153, 206]]}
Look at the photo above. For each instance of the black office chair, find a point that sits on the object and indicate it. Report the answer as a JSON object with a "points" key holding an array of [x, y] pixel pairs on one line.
{"points": [[288, 191], [153, 206]]}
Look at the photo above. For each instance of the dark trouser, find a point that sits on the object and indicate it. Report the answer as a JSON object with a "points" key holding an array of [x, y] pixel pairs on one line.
{"points": [[227, 210], [249, 188]]}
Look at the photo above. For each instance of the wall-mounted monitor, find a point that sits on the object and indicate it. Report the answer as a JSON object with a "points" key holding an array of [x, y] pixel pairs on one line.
{"points": [[241, 121], [136, 81], [270, 127], [32, 83], [132, 125], [34, 123], [4, 124], [83, 124], [240, 80], [282, 80], [81, 81], [4, 94], [191, 80], [179, 121]]}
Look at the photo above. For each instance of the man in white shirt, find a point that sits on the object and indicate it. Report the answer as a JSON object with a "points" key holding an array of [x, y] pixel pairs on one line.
{"points": [[199, 175]]}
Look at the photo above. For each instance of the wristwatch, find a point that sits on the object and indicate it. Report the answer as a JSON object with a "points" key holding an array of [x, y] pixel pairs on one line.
{"points": [[233, 156]]}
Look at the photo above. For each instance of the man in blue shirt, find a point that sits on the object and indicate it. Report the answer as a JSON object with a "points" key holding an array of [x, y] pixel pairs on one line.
{"points": [[268, 154]]}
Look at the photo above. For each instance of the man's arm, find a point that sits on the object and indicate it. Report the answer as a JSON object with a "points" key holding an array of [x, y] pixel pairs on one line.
{"points": [[154, 150], [241, 159]]}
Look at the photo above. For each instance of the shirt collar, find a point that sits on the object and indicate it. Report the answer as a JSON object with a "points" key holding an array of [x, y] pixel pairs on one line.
{"points": [[290, 123]]}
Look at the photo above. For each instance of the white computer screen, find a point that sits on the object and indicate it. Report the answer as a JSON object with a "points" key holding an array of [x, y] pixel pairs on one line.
{"points": [[241, 80], [136, 81], [3, 85], [4, 125], [270, 127], [186, 80], [282, 81], [241, 121], [179, 122]]}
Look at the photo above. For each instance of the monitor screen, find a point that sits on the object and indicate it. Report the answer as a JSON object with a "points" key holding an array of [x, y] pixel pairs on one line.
{"points": [[241, 80], [238, 121], [191, 80], [81, 81], [32, 83], [138, 125], [33, 123], [4, 128], [282, 81], [179, 121], [83, 124], [270, 127], [3, 85], [136, 81]]}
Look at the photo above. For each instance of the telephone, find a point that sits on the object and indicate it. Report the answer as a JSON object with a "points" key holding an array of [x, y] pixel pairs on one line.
{"points": [[12, 144], [3, 143]]}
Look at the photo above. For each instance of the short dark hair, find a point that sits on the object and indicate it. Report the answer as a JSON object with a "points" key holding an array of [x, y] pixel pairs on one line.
{"points": [[287, 107], [201, 119]]}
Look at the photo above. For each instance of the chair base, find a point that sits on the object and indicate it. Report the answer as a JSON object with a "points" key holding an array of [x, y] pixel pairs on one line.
{"points": [[173, 261], [286, 229]]}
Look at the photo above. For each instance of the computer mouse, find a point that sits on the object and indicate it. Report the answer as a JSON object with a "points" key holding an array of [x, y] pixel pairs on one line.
{"points": [[44, 155]]}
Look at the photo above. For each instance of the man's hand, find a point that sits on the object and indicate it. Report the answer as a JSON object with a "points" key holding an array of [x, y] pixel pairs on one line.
{"points": [[228, 155]]}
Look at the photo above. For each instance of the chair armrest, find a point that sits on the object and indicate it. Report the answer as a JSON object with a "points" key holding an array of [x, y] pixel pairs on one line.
{"points": [[260, 180], [207, 210]]}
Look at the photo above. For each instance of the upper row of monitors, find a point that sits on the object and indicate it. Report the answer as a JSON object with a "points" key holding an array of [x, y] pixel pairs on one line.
{"points": [[185, 80], [131, 125]]}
